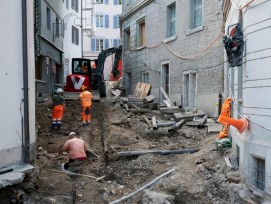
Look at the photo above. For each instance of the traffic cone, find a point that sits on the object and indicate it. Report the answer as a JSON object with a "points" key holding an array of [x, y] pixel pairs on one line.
{"points": [[240, 124]]}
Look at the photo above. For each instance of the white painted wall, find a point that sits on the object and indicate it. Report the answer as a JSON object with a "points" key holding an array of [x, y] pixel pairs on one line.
{"points": [[256, 106], [71, 50], [11, 80], [109, 33]]}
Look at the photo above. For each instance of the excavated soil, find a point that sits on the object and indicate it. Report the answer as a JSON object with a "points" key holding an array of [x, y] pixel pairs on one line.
{"points": [[197, 177]]}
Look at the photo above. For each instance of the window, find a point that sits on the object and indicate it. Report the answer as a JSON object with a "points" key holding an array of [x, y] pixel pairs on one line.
{"points": [[67, 4], [57, 27], [196, 14], [127, 39], [115, 22], [75, 5], [99, 1], [59, 74], [48, 13], [75, 35], [41, 68], [117, 2], [99, 44], [99, 21], [102, 21], [116, 42], [106, 2], [141, 33], [171, 22], [145, 77], [260, 174], [189, 90]]}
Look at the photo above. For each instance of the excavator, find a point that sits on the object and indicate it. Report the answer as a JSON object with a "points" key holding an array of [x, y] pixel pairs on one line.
{"points": [[90, 73]]}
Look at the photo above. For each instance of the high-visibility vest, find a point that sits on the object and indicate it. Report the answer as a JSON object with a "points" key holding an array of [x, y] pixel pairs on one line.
{"points": [[86, 98], [226, 111]]}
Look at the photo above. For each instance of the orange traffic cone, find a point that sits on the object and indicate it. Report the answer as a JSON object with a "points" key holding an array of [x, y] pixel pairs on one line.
{"points": [[240, 124]]}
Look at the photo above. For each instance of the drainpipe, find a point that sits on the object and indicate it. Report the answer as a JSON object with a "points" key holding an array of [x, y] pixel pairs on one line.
{"points": [[26, 137], [82, 29]]}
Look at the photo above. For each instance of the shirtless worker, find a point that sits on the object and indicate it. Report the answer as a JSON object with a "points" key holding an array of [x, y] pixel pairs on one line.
{"points": [[76, 149]]}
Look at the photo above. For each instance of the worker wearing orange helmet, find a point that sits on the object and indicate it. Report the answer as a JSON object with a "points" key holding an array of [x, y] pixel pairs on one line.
{"points": [[86, 101]]}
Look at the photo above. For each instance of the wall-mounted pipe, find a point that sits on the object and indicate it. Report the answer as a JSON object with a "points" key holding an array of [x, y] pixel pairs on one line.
{"points": [[26, 142]]}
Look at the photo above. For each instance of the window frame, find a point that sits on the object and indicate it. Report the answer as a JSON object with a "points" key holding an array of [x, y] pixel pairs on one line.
{"points": [[127, 39], [170, 8], [141, 34], [67, 4], [48, 18], [75, 5], [260, 171], [192, 15], [75, 35]]}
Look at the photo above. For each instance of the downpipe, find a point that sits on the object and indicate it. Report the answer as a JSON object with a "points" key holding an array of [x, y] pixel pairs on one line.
{"points": [[26, 138]]}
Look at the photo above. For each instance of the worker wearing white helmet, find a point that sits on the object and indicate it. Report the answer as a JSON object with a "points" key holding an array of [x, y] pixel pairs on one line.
{"points": [[58, 109]]}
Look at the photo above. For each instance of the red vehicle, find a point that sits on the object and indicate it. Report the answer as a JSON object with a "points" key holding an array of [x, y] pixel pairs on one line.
{"points": [[91, 74]]}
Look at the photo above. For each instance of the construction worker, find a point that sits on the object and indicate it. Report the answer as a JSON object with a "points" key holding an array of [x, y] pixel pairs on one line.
{"points": [[76, 149], [58, 109], [86, 101], [85, 67]]}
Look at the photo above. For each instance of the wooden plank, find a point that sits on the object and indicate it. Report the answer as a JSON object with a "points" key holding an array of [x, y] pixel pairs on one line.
{"points": [[137, 88], [141, 90], [146, 90], [165, 94], [167, 103]]}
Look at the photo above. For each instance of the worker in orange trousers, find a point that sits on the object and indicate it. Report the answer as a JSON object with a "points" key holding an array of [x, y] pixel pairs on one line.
{"points": [[58, 109], [86, 102]]}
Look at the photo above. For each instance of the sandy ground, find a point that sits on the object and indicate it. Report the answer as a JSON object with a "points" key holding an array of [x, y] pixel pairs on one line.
{"points": [[197, 177]]}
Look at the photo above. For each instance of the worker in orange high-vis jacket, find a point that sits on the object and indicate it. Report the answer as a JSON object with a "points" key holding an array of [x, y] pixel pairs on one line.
{"points": [[86, 101], [58, 109]]}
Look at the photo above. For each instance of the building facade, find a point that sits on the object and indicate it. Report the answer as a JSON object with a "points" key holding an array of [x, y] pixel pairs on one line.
{"points": [[249, 87], [176, 45], [101, 29], [48, 46], [17, 83], [72, 42]]}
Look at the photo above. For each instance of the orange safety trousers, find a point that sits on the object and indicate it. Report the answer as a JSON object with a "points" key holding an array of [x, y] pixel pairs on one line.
{"points": [[57, 116], [86, 114]]}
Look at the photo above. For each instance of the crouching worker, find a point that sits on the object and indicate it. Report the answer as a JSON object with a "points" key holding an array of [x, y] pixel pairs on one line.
{"points": [[86, 101], [76, 149], [58, 109]]}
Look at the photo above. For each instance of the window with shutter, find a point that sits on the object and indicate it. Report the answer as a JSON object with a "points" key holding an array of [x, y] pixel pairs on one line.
{"points": [[106, 21], [115, 22], [106, 43], [93, 44]]}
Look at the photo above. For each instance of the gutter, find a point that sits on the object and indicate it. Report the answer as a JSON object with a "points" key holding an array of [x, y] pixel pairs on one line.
{"points": [[82, 29], [26, 137], [135, 9]]}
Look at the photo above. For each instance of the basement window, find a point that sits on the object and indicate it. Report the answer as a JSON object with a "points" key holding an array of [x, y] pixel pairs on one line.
{"points": [[260, 173]]}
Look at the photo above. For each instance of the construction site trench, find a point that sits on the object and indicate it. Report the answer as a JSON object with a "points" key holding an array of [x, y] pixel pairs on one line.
{"points": [[198, 177]]}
